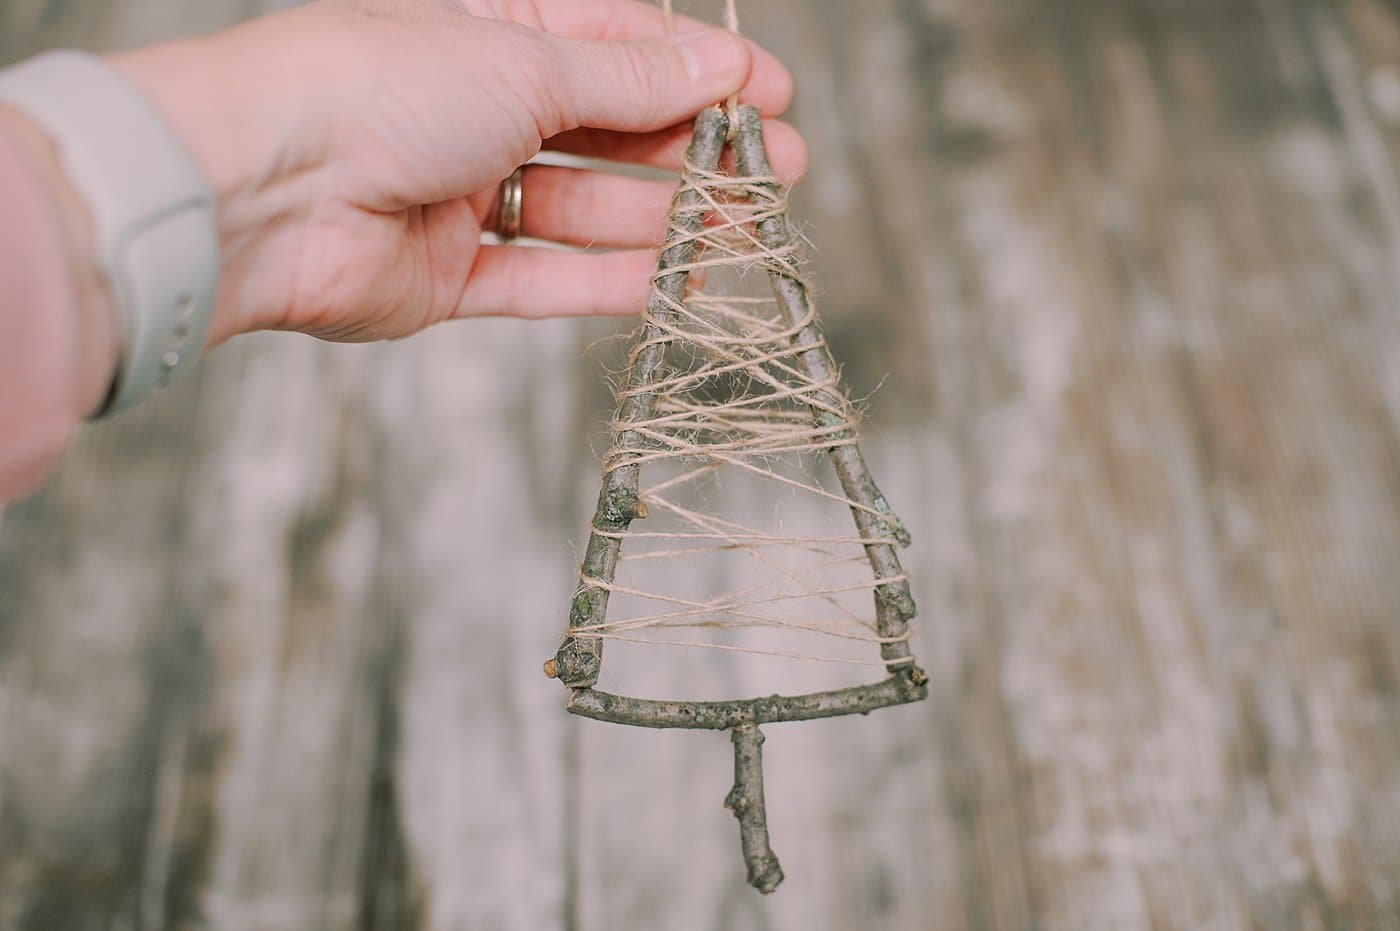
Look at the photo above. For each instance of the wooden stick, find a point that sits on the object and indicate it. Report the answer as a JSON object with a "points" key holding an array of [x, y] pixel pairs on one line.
{"points": [[746, 801], [579, 660], [910, 684], [894, 604]]}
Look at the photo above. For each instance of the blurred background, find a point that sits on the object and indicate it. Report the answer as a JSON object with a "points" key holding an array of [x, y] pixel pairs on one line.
{"points": [[1125, 275]]}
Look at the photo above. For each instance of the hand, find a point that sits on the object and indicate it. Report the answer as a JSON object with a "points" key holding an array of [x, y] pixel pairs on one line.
{"points": [[357, 147]]}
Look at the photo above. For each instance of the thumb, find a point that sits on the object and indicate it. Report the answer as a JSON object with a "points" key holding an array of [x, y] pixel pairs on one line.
{"points": [[648, 85]]}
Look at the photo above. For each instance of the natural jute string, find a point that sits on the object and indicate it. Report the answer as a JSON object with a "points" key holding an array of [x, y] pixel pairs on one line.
{"points": [[731, 21], [733, 398]]}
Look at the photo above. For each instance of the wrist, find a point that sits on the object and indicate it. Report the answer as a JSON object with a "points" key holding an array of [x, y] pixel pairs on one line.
{"points": [[235, 120], [96, 326]]}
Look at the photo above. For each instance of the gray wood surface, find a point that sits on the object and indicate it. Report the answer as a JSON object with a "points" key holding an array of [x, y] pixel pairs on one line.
{"points": [[1126, 276]]}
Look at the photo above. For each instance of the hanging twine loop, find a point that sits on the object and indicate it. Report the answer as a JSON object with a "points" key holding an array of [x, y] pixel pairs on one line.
{"points": [[731, 22]]}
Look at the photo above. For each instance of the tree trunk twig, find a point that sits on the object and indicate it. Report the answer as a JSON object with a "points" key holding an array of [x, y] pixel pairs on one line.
{"points": [[579, 660], [746, 801]]}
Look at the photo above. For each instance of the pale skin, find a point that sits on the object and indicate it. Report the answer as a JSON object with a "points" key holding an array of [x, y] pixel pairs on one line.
{"points": [[357, 147]]}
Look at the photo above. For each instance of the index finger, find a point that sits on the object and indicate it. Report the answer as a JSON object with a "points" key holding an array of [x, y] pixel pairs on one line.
{"points": [[770, 84]]}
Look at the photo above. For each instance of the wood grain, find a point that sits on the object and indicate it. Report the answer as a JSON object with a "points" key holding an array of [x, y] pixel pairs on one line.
{"points": [[1125, 277]]}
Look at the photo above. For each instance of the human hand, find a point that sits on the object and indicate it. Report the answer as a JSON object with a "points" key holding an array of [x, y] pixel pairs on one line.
{"points": [[357, 147]]}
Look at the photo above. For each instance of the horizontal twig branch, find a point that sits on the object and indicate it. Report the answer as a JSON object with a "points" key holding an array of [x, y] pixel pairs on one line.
{"points": [[909, 684]]}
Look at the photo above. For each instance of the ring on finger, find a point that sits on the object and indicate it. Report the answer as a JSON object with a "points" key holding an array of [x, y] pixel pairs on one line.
{"points": [[512, 202]]}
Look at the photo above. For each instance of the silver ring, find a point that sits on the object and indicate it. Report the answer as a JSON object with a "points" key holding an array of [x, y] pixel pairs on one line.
{"points": [[508, 220]]}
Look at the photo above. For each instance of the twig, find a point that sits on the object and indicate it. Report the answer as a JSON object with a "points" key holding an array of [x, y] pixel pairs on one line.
{"points": [[746, 801], [579, 659], [894, 603], [910, 684]]}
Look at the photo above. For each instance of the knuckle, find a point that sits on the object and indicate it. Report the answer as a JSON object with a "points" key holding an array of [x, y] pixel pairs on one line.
{"points": [[542, 81], [525, 12]]}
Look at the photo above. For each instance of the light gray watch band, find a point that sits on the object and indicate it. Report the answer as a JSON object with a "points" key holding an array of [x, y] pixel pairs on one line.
{"points": [[153, 212]]}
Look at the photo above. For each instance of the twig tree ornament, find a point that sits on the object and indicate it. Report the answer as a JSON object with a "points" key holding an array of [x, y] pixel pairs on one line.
{"points": [[727, 384]]}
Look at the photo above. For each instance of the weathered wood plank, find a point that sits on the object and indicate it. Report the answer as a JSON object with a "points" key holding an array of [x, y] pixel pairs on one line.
{"points": [[1132, 270]]}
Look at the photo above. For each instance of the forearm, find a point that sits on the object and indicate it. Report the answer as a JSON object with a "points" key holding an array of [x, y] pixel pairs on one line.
{"points": [[59, 328], [58, 336]]}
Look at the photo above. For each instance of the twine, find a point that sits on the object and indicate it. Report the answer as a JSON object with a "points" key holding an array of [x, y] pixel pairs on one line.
{"points": [[733, 395], [731, 22]]}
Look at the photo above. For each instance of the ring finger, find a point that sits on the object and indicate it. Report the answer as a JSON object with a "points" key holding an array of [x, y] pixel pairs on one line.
{"points": [[578, 207]]}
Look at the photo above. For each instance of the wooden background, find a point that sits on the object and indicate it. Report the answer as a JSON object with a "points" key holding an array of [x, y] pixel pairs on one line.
{"points": [[1128, 271]]}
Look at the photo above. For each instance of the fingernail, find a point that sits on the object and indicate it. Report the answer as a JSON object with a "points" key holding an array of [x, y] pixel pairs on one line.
{"points": [[713, 57]]}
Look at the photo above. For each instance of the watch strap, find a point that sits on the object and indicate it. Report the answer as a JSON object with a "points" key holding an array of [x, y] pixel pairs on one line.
{"points": [[153, 211]]}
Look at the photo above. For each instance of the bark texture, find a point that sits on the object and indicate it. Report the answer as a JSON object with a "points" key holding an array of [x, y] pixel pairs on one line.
{"points": [[894, 605], [578, 660], [907, 685], [746, 801]]}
